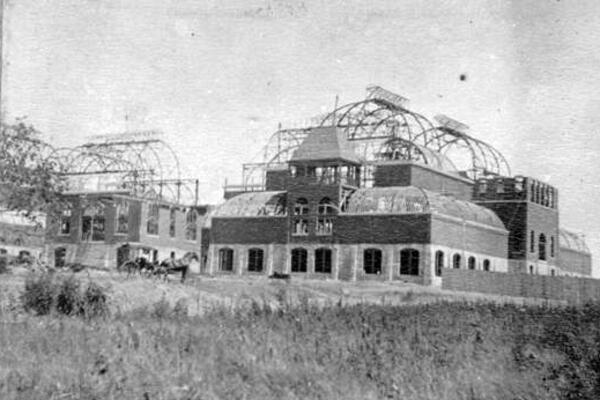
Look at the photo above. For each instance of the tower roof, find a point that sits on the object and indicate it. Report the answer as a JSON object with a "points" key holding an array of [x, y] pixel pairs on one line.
{"points": [[325, 143]]}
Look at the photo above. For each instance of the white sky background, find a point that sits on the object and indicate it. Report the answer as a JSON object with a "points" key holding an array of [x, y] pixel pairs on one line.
{"points": [[218, 76]]}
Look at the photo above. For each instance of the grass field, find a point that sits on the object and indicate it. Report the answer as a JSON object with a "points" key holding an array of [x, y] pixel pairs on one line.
{"points": [[268, 340]]}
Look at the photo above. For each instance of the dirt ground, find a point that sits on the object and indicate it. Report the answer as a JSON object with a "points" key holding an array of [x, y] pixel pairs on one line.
{"points": [[200, 293]]}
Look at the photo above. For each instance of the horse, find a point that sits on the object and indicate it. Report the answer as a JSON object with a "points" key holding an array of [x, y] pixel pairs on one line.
{"points": [[172, 265], [138, 265]]}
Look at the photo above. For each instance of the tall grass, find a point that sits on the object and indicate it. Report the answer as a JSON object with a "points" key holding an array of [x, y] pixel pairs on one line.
{"points": [[430, 351]]}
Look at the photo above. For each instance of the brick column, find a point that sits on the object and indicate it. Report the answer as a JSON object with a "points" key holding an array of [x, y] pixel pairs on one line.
{"points": [[389, 257], [241, 258], [212, 260], [107, 256], [336, 262], [310, 260], [354, 263], [427, 266], [270, 251], [287, 269]]}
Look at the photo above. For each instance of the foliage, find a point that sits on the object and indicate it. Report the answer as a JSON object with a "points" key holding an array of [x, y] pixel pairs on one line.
{"points": [[30, 179], [46, 293], [163, 310], [3, 265], [421, 351], [95, 301], [39, 294]]}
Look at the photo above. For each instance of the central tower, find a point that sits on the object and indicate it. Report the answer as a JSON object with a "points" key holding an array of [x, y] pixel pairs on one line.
{"points": [[323, 171]]}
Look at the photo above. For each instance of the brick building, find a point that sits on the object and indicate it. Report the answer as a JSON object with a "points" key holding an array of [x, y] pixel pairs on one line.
{"points": [[124, 199], [373, 193], [106, 229]]}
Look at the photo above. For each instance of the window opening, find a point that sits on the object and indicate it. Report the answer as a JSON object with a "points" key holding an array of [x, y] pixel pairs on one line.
{"points": [[456, 261], [152, 219], [226, 259], [409, 262], [299, 260], [372, 261], [323, 261], [255, 260], [92, 223], [439, 262]]}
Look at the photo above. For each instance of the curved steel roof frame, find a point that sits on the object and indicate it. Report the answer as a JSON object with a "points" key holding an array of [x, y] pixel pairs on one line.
{"points": [[402, 149], [373, 124], [485, 159]]}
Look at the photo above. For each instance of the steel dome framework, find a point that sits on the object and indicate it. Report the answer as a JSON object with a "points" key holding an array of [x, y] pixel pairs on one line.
{"points": [[381, 127], [138, 163]]}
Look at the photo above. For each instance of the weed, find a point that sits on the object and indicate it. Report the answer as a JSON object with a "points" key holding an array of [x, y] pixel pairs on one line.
{"points": [[69, 300], [3, 265], [161, 309], [46, 293], [180, 310], [39, 294]]}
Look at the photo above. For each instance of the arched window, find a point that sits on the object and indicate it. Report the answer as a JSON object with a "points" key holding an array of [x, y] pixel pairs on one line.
{"points": [[542, 247], [325, 206], [439, 262], [372, 261], [122, 216], [486, 265], [531, 269], [323, 261], [226, 259], [551, 246], [191, 226], [456, 261], [552, 272], [409, 262], [301, 206], [532, 241], [299, 260], [152, 219], [172, 221], [255, 260], [471, 262], [92, 222], [324, 223]]}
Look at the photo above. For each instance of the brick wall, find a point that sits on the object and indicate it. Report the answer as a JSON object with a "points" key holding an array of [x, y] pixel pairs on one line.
{"points": [[410, 174], [383, 229], [522, 217], [457, 234], [276, 179], [573, 290], [250, 230]]}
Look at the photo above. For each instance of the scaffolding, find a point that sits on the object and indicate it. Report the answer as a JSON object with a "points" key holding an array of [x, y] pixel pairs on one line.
{"points": [[382, 127]]}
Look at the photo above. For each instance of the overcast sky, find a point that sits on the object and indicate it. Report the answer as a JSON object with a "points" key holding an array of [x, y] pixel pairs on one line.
{"points": [[218, 76]]}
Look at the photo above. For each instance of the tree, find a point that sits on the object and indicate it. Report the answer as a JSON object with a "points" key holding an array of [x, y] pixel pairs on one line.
{"points": [[30, 177]]}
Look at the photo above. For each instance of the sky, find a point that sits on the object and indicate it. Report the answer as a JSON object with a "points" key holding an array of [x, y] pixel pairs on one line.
{"points": [[217, 77]]}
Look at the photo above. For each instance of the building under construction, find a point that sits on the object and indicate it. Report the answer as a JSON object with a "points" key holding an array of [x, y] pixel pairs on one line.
{"points": [[125, 199], [377, 191]]}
